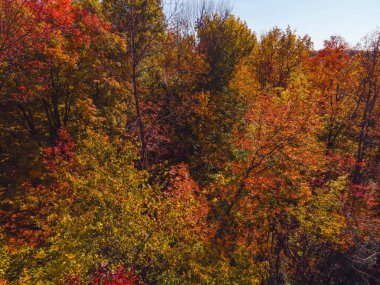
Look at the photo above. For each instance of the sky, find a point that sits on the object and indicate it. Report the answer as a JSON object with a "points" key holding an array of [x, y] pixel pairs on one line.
{"points": [[320, 19]]}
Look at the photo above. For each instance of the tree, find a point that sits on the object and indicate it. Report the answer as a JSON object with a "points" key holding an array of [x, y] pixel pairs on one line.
{"points": [[50, 73], [332, 73], [142, 24], [47, 82], [93, 207], [223, 41], [367, 103], [277, 159], [278, 56]]}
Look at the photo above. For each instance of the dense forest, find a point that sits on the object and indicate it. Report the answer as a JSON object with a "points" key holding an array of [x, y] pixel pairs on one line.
{"points": [[143, 143]]}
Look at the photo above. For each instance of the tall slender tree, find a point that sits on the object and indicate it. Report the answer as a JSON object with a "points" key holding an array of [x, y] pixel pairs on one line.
{"points": [[142, 23]]}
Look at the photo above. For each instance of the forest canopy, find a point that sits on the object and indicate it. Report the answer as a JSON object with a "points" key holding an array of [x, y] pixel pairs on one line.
{"points": [[143, 144]]}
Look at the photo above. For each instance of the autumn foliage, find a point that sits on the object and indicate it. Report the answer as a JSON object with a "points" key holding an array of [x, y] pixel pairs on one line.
{"points": [[143, 147]]}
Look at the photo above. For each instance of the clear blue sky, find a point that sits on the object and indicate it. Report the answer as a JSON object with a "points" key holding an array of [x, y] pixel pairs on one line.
{"points": [[351, 19]]}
